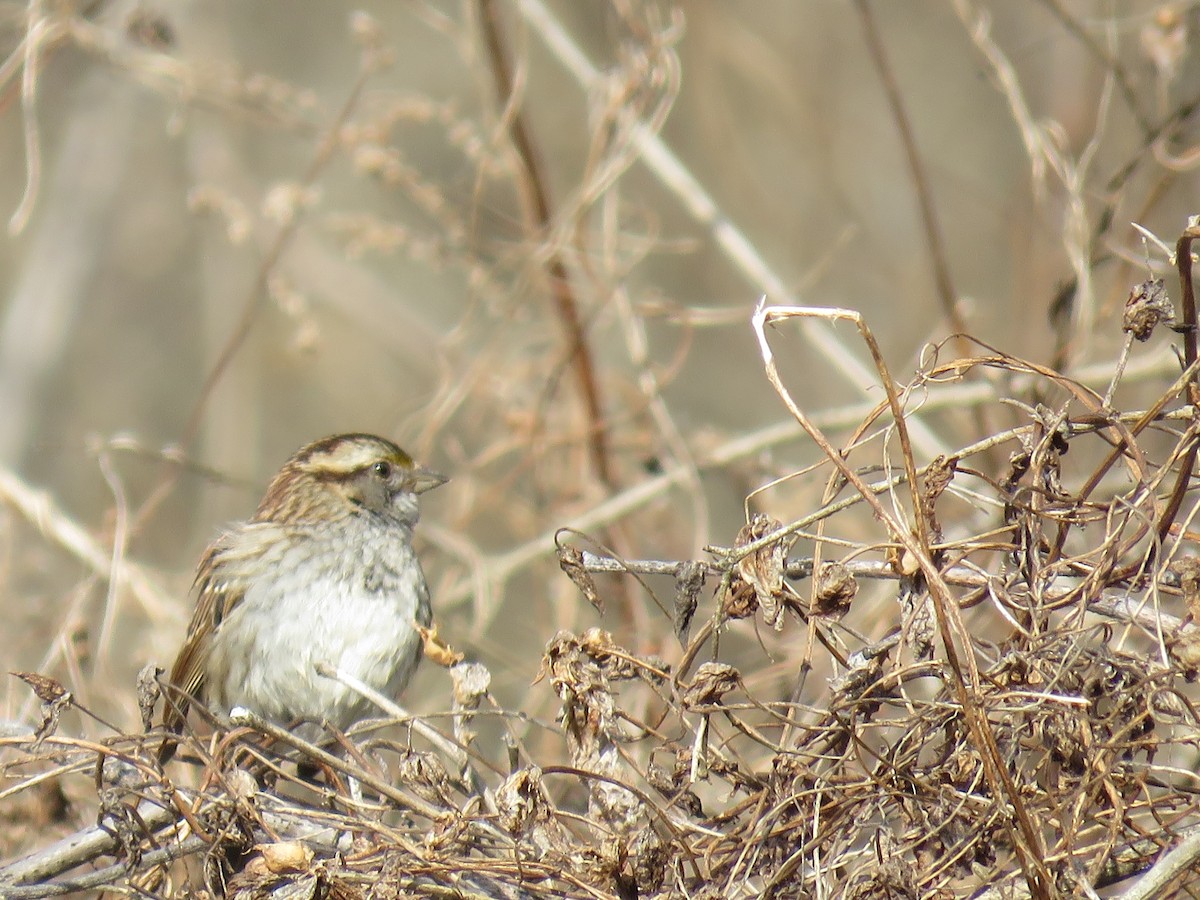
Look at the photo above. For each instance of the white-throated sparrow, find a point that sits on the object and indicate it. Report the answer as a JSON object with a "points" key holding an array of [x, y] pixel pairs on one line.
{"points": [[324, 572]]}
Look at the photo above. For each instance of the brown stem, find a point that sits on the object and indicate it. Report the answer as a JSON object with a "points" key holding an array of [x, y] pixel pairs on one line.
{"points": [[535, 195]]}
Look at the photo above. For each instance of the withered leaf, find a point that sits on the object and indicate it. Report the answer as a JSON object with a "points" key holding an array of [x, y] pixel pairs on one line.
{"points": [[570, 560], [47, 689], [1188, 570], [521, 801], [836, 587], [581, 663], [1148, 307], [764, 569], [425, 774], [55, 698], [865, 669], [740, 601], [920, 624], [148, 693], [1184, 647], [650, 861], [712, 681], [689, 579], [471, 683], [937, 478]]}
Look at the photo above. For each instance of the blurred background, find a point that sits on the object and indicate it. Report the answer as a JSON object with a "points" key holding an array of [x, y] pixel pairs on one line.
{"points": [[525, 240]]}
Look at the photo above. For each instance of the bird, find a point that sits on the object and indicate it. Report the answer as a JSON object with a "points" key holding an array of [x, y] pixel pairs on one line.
{"points": [[324, 572]]}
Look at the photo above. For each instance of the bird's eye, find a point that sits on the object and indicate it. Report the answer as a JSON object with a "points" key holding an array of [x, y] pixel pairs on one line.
{"points": [[382, 469]]}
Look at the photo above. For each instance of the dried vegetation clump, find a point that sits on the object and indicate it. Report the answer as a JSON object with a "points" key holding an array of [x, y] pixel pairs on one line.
{"points": [[1023, 722]]}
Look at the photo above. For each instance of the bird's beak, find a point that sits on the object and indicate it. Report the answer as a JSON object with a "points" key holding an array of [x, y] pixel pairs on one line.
{"points": [[423, 479]]}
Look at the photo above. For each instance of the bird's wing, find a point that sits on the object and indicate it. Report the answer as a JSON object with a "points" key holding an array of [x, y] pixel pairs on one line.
{"points": [[222, 578]]}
